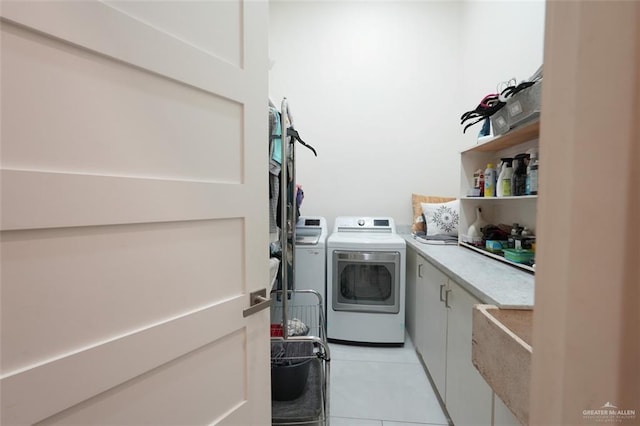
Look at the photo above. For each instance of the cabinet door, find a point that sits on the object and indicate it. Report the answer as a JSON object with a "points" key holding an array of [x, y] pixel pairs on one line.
{"points": [[432, 320], [468, 396], [410, 299]]}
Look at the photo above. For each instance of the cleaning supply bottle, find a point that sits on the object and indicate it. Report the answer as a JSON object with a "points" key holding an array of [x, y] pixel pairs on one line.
{"points": [[508, 177], [499, 181], [532, 174], [504, 180], [490, 181], [519, 179]]}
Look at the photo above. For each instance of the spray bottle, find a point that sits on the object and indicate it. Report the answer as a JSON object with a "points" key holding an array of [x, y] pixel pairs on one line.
{"points": [[499, 180], [519, 179], [504, 179], [532, 173]]}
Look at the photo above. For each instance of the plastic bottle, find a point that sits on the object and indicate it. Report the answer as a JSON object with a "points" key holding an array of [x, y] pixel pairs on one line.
{"points": [[504, 180], [513, 237], [533, 156], [533, 175], [508, 176], [490, 181], [500, 181], [478, 183], [519, 179]]}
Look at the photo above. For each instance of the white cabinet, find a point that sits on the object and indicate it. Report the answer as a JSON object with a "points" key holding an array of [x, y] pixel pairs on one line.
{"points": [[432, 321], [440, 327], [497, 210], [468, 396]]}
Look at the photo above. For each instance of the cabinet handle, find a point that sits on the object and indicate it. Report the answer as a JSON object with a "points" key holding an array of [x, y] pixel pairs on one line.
{"points": [[420, 270], [441, 287], [446, 298]]}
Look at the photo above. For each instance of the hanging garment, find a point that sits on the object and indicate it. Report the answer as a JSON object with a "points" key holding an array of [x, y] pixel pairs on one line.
{"points": [[275, 161]]}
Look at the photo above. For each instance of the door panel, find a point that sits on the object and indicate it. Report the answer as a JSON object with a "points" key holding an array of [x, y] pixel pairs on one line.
{"points": [[215, 29], [182, 127], [134, 214], [193, 386], [103, 275]]}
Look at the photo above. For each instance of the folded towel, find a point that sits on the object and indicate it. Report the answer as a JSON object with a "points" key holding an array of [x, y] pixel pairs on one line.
{"points": [[436, 239]]}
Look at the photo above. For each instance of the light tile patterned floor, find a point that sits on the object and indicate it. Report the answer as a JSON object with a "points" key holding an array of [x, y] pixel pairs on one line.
{"points": [[373, 386]]}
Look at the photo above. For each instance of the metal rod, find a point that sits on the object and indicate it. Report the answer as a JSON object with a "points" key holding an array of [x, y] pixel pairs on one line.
{"points": [[283, 215]]}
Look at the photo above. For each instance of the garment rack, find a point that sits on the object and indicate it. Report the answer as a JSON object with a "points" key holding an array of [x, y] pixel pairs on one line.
{"points": [[312, 407]]}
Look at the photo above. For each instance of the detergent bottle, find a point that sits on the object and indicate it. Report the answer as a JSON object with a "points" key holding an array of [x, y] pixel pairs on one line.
{"points": [[504, 180], [489, 181], [503, 187]]}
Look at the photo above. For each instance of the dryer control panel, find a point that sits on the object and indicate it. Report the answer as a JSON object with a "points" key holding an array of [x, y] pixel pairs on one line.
{"points": [[364, 224]]}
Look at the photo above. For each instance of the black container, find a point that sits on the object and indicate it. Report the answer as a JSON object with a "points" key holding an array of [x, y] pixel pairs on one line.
{"points": [[290, 362]]}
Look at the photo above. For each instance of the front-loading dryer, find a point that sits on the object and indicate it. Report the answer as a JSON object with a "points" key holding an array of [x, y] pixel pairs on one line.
{"points": [[366, 261]]}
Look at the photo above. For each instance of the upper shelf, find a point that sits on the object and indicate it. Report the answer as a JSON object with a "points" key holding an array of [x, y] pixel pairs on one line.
{"points": [[519, 197], [513, 138]]}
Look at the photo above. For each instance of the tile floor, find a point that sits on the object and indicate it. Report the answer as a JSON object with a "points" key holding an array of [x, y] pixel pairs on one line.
{"points": [[373, 386]]}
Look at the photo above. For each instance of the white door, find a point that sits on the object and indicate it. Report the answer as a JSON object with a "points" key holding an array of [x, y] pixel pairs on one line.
{"points": [[134, 213]]}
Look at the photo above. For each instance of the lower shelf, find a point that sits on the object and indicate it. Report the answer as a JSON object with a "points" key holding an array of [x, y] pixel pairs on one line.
{"points": [[309, 407], [497, 257]]}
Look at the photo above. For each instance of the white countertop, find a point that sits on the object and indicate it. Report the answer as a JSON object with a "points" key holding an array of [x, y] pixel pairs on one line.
{"points": [[491, 281]]}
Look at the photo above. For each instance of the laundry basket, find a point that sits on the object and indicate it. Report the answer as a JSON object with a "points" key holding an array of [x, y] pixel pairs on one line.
{"points": [[290, 362]]}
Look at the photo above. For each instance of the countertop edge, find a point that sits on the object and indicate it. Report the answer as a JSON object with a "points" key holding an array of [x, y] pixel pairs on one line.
{"points": [[480, 283]]}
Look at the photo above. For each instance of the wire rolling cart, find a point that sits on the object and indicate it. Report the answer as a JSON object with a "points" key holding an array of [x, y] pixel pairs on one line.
{"points": [[300, 357], [308, 353]]}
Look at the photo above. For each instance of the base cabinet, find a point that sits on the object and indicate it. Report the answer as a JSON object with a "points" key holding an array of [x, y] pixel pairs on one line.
{"points": [[432, 321], [469, 398], [440, 326]]}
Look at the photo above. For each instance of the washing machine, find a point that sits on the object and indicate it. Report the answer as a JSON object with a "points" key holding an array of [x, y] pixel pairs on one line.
{"points": [[366, 267], [310, 271], [310, 254]]}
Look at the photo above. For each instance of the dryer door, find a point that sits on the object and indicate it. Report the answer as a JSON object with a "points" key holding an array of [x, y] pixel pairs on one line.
{"points": [[366, 281]]}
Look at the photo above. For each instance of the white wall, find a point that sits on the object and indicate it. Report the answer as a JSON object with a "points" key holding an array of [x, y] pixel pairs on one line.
{"points": [[500, 40], [376, 88]]}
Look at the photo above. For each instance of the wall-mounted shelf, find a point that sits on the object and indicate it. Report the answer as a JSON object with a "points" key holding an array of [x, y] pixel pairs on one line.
{"points": [[498, 257], [494, 199], [497, 210], [514, 137]]}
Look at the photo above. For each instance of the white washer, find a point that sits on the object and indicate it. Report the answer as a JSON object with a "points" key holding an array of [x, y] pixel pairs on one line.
{"points": [[311, 254], [366, 261]]}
